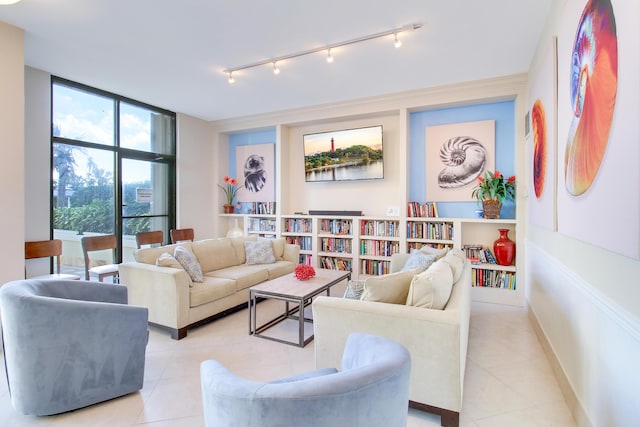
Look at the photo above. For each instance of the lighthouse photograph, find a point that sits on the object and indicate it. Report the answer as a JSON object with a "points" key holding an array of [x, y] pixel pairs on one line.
{"points": [[344, 155]]}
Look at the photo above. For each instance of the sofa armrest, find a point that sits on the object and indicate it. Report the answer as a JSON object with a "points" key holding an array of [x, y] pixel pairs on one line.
{"points": [[163, 290], [291, 253], [431, 336]]}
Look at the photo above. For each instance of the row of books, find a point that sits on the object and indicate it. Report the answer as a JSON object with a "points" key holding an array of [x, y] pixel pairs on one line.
{"points": [[374, 267], [332, 244], [493, 279], [478, 254], [417, 245], [264, 208], [305, 242], [305, 259], [335, 263], [379, 228], [426, 210], [379, 247], [258, 224], [297, 225], [335, 226], [430, 230]]}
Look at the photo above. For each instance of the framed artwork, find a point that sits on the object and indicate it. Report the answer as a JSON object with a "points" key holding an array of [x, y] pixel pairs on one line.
{"points": [[456, 155], [255, 167], [598, 127], [542, 140]]}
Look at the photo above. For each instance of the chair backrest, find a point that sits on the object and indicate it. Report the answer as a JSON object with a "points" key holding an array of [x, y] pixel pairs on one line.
{"points": [[181, 235], [149, 238], [44, 249], [97, 243]]}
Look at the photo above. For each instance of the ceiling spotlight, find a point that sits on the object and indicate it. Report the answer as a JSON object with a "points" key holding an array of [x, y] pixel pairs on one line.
{"points": [[276, 70], [329, 56], [231, 79], [398, 43]]}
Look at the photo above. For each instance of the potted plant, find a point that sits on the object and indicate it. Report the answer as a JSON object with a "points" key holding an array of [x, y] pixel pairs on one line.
{"points": [[493, 189], [230, 189]]}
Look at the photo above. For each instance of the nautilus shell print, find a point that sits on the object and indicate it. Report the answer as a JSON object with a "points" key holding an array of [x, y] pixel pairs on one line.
{"points": [[465, 159], [593, 86], [540, 147]]}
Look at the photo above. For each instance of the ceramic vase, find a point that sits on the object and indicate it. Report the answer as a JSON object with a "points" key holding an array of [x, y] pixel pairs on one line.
{"points": [[227, 208], [504, 248]]}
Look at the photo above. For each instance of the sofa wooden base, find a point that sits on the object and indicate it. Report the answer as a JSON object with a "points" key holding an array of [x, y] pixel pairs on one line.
{"points": [[178, 334], [447, 418]]}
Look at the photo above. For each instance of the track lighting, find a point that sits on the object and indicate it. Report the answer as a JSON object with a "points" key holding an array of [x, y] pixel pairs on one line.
{"points": [[328, 48]]}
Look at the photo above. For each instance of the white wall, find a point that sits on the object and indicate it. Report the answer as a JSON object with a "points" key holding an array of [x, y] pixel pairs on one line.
{"points": [[586, 301], [196, 180], [12, 103]]}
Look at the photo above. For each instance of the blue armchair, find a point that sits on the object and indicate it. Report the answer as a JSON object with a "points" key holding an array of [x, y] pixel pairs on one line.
{"points": [[69, 344], [372, 389]]}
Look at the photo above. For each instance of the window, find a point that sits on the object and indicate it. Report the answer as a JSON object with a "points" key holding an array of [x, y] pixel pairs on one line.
{"points": [[113, 169]]}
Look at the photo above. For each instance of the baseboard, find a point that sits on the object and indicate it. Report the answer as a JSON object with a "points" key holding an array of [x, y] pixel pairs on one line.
{"points": [[574, 405]]}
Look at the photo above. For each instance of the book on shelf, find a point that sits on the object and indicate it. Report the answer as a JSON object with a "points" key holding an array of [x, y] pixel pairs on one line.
{"points": [[478, 254], [263, 208], [425, 210], [493, 279]]}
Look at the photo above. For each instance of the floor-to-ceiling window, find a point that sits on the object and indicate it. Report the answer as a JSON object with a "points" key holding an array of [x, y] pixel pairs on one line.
{"points": [[112, 169]]}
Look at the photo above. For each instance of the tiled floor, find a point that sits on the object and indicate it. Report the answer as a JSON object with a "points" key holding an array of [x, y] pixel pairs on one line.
{"points": [[508, 380]]}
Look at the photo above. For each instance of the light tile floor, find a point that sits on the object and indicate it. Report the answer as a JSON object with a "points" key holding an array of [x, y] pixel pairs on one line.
{"points": [[508, 380]]}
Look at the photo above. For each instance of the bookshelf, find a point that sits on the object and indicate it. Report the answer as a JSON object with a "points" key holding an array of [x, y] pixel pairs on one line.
{"points": [[378, 240], [261, 225], [434, 232], [298, 230], [335, 243]]}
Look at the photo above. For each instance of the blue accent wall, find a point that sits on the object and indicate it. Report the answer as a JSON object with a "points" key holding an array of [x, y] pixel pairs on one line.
{"points": [[504, 115]]}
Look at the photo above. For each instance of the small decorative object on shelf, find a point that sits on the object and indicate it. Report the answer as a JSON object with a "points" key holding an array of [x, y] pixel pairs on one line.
{"points": [[304, 272], [504, 248], [230, 189], [235, 231], [492, 190]]}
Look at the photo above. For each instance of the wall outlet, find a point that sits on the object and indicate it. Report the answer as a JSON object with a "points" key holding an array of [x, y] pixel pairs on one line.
{"points": [[393, 210]]}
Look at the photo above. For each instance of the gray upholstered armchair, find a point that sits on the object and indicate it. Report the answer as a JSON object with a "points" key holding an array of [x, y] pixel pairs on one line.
{"points": [[69, 344], [372, 389]]}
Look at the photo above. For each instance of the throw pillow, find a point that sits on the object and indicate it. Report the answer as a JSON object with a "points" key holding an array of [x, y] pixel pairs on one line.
{"points": [[168, 260], [190, 263], [439, 253], [259, 252], [455, 263], [418, 260], [390, 288], [431, 288]]}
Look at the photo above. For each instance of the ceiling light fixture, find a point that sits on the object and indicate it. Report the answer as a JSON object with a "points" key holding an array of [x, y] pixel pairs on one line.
{"points": [[276, 70], [398, 42], [8, 2], [329, 56], [394, 32]]}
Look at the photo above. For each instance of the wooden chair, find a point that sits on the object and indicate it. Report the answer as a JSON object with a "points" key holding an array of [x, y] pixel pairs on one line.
{"points": [[149, 238], [47, 249], [100, 243], [182, 235]]}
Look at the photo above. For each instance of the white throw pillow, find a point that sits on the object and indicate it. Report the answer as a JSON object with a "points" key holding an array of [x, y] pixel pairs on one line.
{"points": [[390, 288], [259, 252], [439, 253], [432, 287], [168, 260], [190, 263], [455, 263]]}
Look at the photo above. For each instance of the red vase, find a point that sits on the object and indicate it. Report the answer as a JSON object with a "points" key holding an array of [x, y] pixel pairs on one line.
{"points": [[504, 248]]}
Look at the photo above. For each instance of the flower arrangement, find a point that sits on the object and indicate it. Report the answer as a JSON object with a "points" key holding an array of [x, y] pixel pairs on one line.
{"points": [[230, 188], [304, 272], [494, 186]]}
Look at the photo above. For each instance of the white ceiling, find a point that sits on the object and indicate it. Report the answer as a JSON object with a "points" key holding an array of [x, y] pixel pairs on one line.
{"points": [[171, 53]]}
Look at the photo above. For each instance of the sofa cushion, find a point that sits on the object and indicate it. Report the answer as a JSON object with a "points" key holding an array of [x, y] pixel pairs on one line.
{"points": [[168, 260], [214, 254], [279, 268], [418, 260], [390, 288], [439, 253], [432, 287], [211, 289], [278, 248], [260, 252], [455, 258], [238, 246], [150, 255], [243, 276], [189, 262]]}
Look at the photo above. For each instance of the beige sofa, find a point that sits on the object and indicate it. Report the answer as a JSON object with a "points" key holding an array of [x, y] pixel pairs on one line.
{"points": [[436, 339], [176, 303]]}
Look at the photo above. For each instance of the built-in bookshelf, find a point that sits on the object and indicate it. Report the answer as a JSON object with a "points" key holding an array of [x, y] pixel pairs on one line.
{"points": [[379, 239], [262, 225], [335, 243], [298, 230], [429, 231]]}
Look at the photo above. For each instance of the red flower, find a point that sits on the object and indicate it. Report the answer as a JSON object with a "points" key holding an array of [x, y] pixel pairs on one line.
{"points": [[496, 174], [227, 179], [304, 272], [233, 181], [480, 180], [512, 178]]}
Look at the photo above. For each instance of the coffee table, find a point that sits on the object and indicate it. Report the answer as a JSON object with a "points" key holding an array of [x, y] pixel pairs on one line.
{"points": [[292, 291]]}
